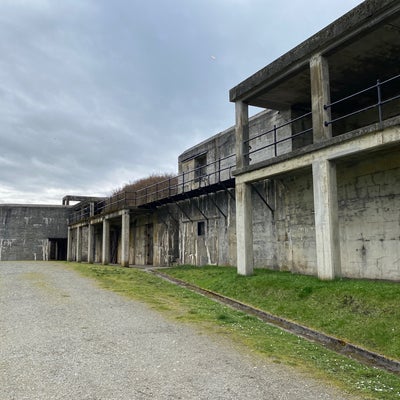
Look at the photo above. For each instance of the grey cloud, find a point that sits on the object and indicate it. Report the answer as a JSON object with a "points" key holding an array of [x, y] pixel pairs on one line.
{"points": [[95, 93]]}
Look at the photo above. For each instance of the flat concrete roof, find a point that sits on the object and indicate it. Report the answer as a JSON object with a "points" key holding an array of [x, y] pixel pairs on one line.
{"points": [[364, 40]]}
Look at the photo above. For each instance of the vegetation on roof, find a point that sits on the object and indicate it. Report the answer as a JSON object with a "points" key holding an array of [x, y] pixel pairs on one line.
{"points": [[162, 181]]}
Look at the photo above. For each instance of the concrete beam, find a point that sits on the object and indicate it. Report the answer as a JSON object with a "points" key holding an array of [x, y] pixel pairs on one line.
{"points": [[125, 239], [244, 229], [371, 141], [326, 219], [105, 259], [320, 96]]}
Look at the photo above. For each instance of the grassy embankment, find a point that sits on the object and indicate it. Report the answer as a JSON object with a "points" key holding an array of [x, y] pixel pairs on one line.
{"points": [[328, 306]]}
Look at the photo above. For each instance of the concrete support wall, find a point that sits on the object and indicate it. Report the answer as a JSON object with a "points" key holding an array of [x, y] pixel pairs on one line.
{"points": [[166, 236], [294, 224], [69, 244], [209, 236], [25, 230], [272, 122], [369, 217], [91, 244], [326, 219], [125, 239], [244, 229], [78, 244], [105, 259], [341, 219]]}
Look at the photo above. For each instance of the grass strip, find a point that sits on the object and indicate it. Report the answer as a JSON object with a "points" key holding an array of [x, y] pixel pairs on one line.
{"points": [[257, 337], [363, 312]]}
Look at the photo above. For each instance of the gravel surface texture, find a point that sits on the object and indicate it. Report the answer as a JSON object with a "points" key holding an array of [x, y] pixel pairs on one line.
{"points": [[63, 337]]}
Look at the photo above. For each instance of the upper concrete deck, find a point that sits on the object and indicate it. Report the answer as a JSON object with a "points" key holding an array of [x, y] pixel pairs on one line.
{"points": [[361, 46]]}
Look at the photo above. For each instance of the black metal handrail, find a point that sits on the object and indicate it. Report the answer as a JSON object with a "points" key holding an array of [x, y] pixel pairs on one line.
{"points": [[201, 176], [274, 132], [378, 104], [180, 184]]}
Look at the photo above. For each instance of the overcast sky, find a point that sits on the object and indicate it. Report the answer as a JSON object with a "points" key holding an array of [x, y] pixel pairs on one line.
{"points": [[97, 93]]}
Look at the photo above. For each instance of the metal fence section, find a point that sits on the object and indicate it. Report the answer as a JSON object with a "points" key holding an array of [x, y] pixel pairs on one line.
{"points": [[270, 138], [206, 178], [212, 176], [375, 94]]}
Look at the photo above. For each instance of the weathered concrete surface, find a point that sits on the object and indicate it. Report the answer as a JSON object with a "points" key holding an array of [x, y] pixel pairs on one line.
{"points": [[368, 18], [62, 337], [25, 230]]}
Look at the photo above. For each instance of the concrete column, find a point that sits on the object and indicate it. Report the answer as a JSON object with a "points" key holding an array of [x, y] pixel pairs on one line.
{"points": [[326, 219], [244, 229], [91, 209], [242, 134], [125, 239], [79, 244], [320, 95], [69, 244], [105, 259], [90, 243]]}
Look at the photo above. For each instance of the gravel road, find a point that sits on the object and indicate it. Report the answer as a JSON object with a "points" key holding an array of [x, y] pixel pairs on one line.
{"points": [[63, 337]]}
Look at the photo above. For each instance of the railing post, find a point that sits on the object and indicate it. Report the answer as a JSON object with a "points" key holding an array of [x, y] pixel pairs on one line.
{"points": [[378, 87], [169, 187], [275, 150]]}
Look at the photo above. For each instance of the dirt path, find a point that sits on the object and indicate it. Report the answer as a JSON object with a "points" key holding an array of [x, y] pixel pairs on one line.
{"points": [[62, 337]]}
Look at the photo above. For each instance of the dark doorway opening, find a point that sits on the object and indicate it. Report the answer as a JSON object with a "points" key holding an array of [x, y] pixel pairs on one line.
{"points": [[149, 244], [114, 243], [58, 249]]}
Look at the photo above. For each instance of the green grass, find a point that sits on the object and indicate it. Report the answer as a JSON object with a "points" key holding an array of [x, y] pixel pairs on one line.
{"points": [[366, 313], [249, 334]]}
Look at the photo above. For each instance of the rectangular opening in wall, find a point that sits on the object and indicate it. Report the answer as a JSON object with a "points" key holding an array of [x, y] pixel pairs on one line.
{"points": [[200, 165], [58, 249], [201, 228]]}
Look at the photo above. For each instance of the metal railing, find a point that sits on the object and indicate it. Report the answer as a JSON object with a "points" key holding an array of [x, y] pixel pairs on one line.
{"points": [[273, 141], [221, 170], [378, 104], [215, 172]]}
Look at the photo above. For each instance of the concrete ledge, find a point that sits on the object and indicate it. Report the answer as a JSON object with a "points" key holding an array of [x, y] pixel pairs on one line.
{"points": [[330, 149]]}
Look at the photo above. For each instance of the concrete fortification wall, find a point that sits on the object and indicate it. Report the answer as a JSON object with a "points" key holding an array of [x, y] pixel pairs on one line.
{"points": [[33, 232]]}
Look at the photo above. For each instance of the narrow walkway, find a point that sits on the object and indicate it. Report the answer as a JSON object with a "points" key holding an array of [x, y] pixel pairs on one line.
{"points": [[62, 337]]}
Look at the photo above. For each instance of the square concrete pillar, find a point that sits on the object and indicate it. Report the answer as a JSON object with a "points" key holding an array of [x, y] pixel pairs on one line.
{"points": [[326, 219], [125, 239], [90, 244], [242, 134], [320, 96], [105, 259], [79, 244], [244, 229], [69, 244]]}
